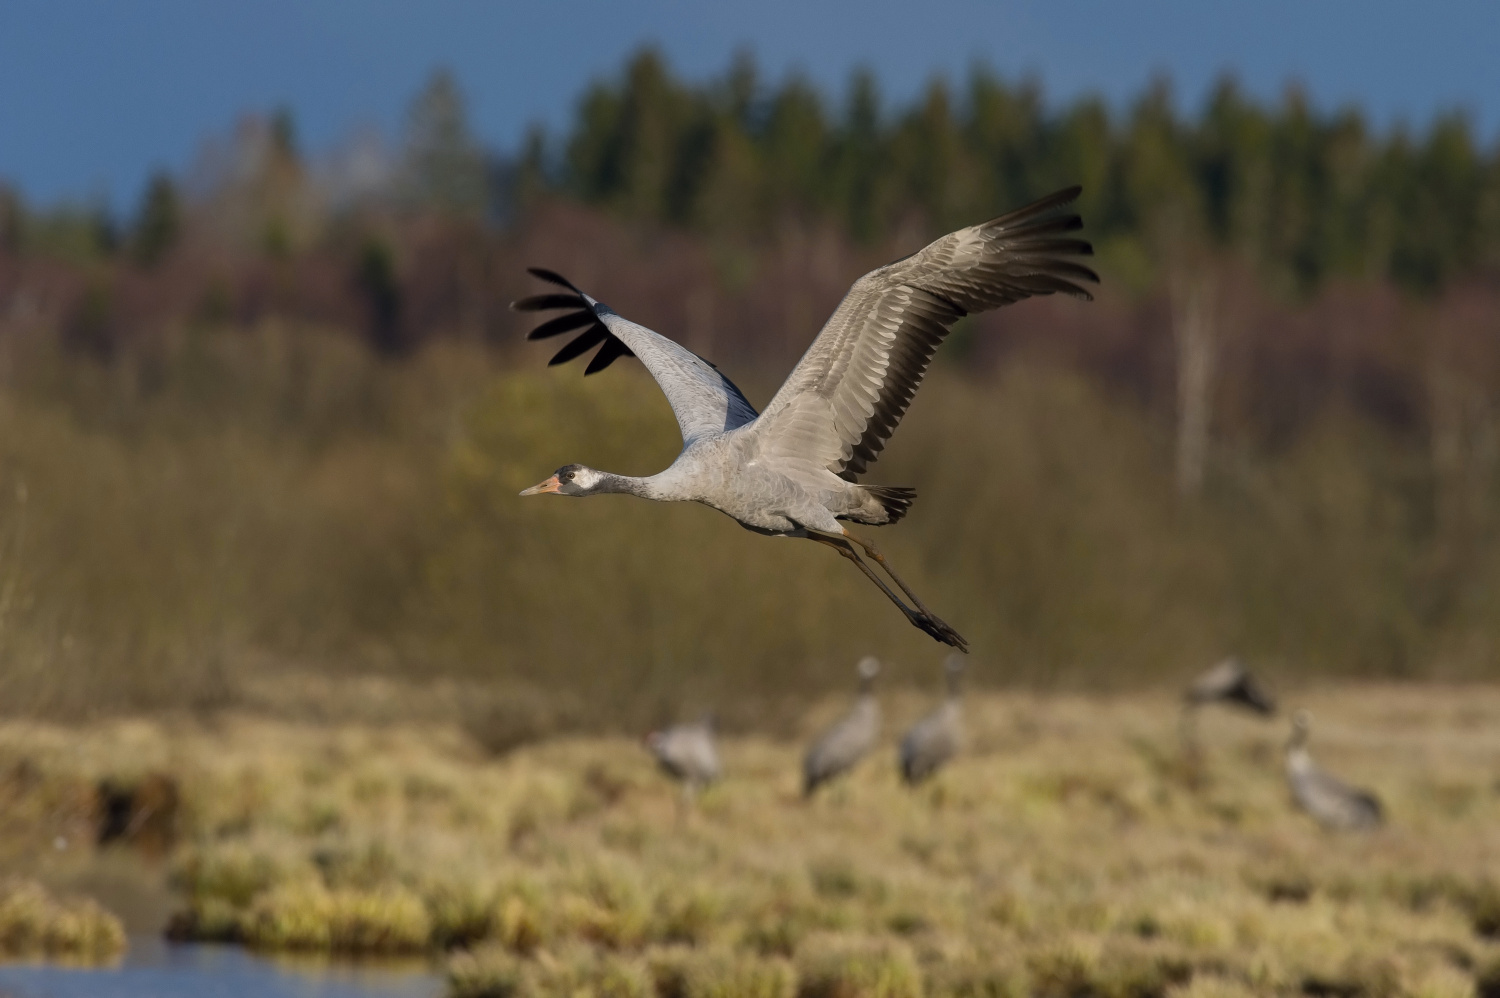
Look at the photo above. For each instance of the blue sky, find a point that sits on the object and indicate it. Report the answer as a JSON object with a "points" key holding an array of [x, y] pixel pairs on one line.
{"points": [[95, 94]]}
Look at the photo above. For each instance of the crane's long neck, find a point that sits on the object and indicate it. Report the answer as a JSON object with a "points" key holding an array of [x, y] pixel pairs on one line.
{"points": [[1298, 760], [656, 487]]}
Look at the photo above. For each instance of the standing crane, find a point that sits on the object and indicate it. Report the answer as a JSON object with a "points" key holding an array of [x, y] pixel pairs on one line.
{"points": [[839, 748], [793, 470], [1328, 799], [686, 753], [936, 738]]}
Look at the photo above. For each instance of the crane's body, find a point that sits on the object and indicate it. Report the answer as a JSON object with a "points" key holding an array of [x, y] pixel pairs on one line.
{"points": [[850, 739], [732, 474], [793, 469], [1332, 803], [686, 753], [931, 742]]}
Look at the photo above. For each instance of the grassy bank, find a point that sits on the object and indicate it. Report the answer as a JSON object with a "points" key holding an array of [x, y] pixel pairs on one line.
{"points": [[1069, 851], [181, 524], [36, 923]]}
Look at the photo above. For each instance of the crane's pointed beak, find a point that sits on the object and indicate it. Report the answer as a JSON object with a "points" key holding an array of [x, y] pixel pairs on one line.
{"points": [[550, 485]]}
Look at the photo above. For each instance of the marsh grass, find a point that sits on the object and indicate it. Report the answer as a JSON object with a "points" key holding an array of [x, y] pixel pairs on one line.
{"points": [[34, 922], [1058, 857]]}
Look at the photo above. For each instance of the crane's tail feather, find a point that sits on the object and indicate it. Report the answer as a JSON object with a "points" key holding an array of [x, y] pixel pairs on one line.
{"points": [[894, 499], [580, 316]]}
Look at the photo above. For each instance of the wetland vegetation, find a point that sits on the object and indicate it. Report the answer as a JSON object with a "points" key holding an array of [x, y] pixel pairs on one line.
{"points": [[1072, 850]]}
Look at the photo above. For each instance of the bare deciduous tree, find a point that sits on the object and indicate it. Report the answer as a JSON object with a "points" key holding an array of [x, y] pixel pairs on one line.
{"points": [[1195, 330]]}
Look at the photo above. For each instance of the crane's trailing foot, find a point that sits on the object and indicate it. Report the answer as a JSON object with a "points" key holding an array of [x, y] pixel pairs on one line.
{"points": [[923, 618], [939, 630], [919, 615]]}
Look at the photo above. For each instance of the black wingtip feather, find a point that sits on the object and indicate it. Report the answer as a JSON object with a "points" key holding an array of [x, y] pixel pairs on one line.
{"points": [[543, 303], [552, 277], [581, 345], [612, 350], [584, 317], [562, 324]]}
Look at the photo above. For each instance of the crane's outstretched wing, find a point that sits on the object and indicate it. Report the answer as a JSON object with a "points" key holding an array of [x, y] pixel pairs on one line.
{"points": [[843, 400], [704, 401]]}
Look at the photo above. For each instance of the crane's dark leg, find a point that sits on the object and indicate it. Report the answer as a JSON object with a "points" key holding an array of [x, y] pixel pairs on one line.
{"points": [[871, 550], [920, 617], [1190, 763]]}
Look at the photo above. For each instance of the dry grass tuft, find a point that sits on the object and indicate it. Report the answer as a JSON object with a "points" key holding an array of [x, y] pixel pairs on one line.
{"points": [[491, 973], [722, 973], [851, 966], [35, 923]]}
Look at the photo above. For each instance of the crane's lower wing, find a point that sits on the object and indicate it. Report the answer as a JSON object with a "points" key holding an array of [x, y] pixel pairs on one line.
{"points": [[850, 390], [704, 401]]}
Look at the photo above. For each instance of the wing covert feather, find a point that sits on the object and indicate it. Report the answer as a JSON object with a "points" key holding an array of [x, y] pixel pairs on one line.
{"points": [[704, 401]]}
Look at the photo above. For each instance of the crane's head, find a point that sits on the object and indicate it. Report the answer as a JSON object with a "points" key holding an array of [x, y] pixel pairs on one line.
{"points": [[953, 672], [1301, 728], [571, 480]]}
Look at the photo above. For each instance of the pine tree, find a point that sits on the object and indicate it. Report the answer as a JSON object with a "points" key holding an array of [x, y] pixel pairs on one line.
{"points": [[158, 222], [1301, 195], [444, 165]]}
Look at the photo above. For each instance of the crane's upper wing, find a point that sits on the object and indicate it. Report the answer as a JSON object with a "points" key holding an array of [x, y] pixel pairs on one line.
{"points": [[704, 401], [845, 397]]}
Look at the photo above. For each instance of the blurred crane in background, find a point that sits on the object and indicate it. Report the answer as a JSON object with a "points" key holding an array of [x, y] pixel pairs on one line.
{"points": [[839, 748], [1330, 800], [1228, 682], [792, 471], [686, 753], [936, 738]]}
